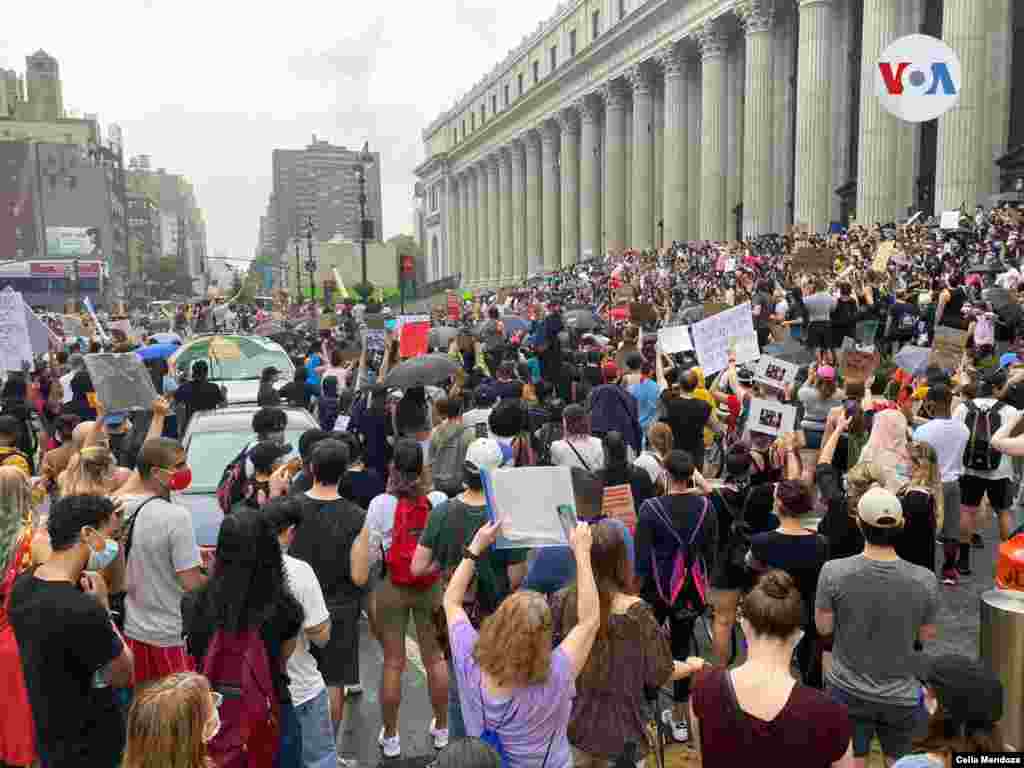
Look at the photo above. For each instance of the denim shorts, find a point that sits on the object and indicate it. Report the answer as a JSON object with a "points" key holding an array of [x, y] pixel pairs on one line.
{"points": [[896, 725], [318, 746]]}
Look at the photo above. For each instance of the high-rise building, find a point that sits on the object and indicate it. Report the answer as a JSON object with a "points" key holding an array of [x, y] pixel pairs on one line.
{"points": [[44, 97], [320, 183]]}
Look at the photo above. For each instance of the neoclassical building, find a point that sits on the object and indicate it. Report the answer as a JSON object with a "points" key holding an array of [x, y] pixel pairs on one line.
{"points": [[624, 123]]}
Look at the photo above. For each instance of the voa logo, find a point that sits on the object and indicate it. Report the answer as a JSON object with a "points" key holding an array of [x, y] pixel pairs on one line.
{"points": [[917, 78]]}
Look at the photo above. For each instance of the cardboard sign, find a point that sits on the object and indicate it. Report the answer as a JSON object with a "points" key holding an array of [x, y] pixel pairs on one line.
{"points": [[776, 373], [675, 339], [122, 382], [947, 348], [15, 346], [770, 417], [814, 260], [883, 255], [950, 220], [731, 331], [642, 313], [860, 365], [618, 504]]}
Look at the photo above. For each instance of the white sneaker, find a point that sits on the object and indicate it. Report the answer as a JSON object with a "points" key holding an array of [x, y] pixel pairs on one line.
{"points": [[347, 762], [392, 745], [353, 690], [680, 730], [440, 735]]}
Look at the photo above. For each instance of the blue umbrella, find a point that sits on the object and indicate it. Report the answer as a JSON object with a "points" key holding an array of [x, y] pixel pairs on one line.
{"points": [[156, 351], [166, 338]]}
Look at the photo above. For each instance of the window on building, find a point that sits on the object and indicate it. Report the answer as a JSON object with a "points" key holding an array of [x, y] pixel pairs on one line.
{"points": [[595, 25], [622, 9], [507, 89], [494, 103], [536, 72], [572, 43], [553, 56], [519, 77]]}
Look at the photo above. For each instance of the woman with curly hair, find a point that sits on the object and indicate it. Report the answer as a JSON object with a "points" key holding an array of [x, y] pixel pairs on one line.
{"points": [[630, 653], [248, 592], [171, 722], [516, 692]]}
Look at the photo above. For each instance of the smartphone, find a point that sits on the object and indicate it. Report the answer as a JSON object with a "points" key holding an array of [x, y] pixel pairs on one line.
{"points": [[567, 517]]}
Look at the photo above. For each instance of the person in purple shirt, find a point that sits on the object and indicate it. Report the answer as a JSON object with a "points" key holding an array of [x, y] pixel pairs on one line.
{"points": [[510, 681]]}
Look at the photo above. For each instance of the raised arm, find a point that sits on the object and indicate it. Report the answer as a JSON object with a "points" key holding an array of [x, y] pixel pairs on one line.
{"points": [[580, 640], [161, 407]]}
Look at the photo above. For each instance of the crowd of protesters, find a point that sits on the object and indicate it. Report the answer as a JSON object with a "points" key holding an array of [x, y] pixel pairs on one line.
{"points": [[808, 557]]}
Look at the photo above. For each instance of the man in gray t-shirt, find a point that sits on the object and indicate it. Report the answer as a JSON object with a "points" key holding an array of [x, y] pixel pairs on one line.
{"points": [[877, 606]]}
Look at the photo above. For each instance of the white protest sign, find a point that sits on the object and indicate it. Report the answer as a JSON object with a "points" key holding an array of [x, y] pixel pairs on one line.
{"points": [[535, 505], [729, 331], [374, 339], [774, 372], [121, 381], [15, 346], [770, 417], [675, 339], [950, 220]]}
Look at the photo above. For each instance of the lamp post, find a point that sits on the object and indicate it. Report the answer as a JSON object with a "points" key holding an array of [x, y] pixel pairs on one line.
{"points": [[310, 263], [72, 274], [298, 272], [365, 160]]}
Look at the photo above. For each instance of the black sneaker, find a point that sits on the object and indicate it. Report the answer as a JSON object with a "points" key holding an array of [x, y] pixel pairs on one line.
{"points": [[977, 542]]}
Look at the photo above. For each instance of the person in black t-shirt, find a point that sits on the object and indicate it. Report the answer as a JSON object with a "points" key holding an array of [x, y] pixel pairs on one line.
{"points": [[72, 656], [688, 416], [199, 394], [334, 540]]}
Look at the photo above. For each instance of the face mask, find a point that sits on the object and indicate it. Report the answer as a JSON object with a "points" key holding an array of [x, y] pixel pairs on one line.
{"points": [[179, 479], [212, 727], [100, 560]]}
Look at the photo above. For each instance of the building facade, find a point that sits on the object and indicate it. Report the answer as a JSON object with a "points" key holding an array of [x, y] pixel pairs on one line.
{"points": [[629, 124]]}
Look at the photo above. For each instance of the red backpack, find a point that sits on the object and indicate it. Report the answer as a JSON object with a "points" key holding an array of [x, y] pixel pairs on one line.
{"points": [[238, 668], [410, 520]]}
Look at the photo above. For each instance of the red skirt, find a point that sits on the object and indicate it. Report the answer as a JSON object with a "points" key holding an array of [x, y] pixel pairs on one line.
{"points": [[153, 662], [17, 731]]}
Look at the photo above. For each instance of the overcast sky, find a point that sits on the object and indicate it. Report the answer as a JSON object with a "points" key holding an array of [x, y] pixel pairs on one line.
{"points": [[209, 87]]}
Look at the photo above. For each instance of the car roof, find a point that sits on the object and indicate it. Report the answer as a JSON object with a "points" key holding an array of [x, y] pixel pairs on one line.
{"points": [[239, 418]]}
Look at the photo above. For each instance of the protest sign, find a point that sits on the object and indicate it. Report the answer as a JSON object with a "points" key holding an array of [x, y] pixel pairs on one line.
{"points": [[327, 321], [534, 505], [415, 330], [95, 320], [675, 339], [912, 359], [770, 417], [947, 348], [373, 339], [883, 255], [39, 333], [642, 313], [121, 381], [618, 504], [949, 220], [454, 306], [860, 365], [774, 372], [15, 345], [814, 260], [731, 331]]}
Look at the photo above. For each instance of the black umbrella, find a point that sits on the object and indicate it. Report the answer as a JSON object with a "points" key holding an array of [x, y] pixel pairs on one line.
{"points": [[422, 370]]}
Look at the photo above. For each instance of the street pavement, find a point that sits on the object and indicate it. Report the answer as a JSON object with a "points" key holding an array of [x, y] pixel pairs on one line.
{"points": [[958, 633]]}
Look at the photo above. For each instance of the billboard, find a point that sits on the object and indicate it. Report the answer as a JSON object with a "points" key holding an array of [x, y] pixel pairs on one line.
{"points": [[72, 241], [18, 232], [57, 268]]}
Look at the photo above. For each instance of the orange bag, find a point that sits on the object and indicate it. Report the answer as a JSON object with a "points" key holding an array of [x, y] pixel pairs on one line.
{"points": [[1010, 564]]}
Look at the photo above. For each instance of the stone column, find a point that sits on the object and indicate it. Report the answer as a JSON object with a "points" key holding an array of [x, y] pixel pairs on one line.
{"points": [[712, 166], [568, 119], [517, 265], [814, 116], [616, 102], [735, 76], [658, 177], [784, 96], [841, 98], [454, 209], [534, 233], [692, 70], [552, 196], [463, 191], [492, 273], [757, 122], [590, 177], [483, 236], [469, 264], [641, 78], [674, 179], [1001, 36], [877, 142], [504, 275]]}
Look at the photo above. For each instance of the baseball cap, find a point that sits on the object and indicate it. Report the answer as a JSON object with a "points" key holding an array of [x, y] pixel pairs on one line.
{"points": [[483, 453], [266, 452], [745, 376], [880, 508], [826, 372], [115, 419], [1008, 359]]}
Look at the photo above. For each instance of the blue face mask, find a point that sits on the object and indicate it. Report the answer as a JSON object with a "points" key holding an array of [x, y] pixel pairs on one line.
{"points": [[100, 560]]}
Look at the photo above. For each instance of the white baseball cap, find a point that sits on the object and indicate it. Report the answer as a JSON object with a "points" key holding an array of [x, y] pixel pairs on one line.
{"points": [[484, 453], [880, 508]]}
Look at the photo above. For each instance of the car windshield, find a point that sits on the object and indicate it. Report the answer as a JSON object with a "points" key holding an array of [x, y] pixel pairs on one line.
{"points": [[246, 363], [210, 452]]}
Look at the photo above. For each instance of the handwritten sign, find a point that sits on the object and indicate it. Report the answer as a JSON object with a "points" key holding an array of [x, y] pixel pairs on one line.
{"points": [[15, 347], [947, 348], [675, 339], [883, 255], [731, 331], [770, 417], [774, 372], [814, 260], [950, 220]]}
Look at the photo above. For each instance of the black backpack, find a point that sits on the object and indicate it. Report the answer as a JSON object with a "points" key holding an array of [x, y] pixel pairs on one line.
{"points": [[979, 454]]}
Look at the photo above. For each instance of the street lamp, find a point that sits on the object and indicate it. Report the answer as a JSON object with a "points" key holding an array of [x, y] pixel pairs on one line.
{"points": [[72, 275], [298, 272], [364, 230], [310, 263]]}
